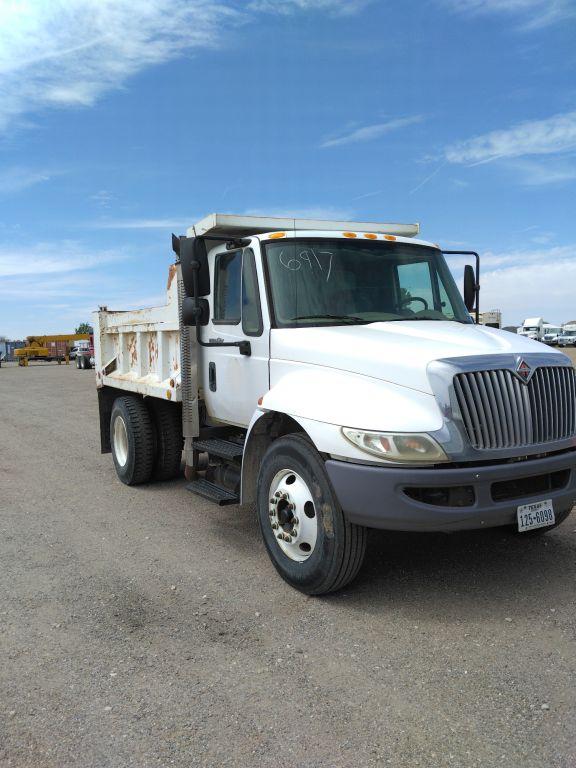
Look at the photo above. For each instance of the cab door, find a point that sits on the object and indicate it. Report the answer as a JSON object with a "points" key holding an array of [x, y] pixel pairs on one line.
{"points": [[233, 382]]}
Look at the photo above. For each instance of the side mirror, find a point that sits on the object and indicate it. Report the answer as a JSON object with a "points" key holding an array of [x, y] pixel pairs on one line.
{"points": [[194, 260], [469, 287], [195, 311]]}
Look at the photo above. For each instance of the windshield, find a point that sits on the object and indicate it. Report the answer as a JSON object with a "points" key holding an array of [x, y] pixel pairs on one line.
{"points": [[338, 282]]}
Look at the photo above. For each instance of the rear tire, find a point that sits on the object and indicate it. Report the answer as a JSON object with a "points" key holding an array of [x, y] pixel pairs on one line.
{"points": [[132, 440], [167, 419], [324, 551], [78, 362]]}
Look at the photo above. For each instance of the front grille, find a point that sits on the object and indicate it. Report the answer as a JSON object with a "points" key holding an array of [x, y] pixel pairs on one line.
{"points": [[500, 411]]}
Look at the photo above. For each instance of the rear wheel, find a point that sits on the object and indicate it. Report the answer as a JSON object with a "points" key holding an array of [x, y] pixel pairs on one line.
{"points": [[78, 362], [132, 440], [310, 542], [167, 419]]}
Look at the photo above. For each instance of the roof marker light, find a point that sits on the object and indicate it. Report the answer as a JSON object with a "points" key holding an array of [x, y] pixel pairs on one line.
{"points": [[389, 237], [349, 234], [277, 235], [371, 236]]}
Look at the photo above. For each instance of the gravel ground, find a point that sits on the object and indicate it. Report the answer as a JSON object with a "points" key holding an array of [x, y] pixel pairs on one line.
{"points": [[143, 627]]}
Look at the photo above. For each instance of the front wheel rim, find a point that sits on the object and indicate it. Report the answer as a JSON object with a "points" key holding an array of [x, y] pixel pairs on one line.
{"points": [[292, 515], [120, 441]]}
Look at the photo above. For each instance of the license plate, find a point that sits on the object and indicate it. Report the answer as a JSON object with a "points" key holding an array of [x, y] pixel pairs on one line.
{"points": [[537, 515]]}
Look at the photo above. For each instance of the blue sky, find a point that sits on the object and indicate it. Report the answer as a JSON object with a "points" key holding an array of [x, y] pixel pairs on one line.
{"points": [[124, 120]]}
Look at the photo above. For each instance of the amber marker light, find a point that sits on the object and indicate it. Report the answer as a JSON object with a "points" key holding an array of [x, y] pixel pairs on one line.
{"points": [[350, 234], [277, 235], [389, 237], [371, 236]]}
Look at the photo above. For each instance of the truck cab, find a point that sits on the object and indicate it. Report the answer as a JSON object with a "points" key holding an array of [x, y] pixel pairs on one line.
{"points": [[330, 374], [532, 328]]}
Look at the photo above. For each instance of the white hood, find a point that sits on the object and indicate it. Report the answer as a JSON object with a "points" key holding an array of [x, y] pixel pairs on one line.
{"points": [[397, 352]]}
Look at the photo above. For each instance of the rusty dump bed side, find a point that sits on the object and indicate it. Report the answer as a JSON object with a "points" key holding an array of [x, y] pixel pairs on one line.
{"points": [[139, 350]]}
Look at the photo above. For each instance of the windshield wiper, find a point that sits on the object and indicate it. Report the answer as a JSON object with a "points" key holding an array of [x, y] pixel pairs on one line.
{"points": [[347, 318], [429, 319]]}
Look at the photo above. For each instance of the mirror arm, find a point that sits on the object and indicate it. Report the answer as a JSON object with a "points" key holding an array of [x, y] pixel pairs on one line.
{"points": [[477, 285]]}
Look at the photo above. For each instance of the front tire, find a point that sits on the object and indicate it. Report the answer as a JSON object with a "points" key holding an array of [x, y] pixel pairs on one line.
{"points": [[310, 542], [132, 440]]}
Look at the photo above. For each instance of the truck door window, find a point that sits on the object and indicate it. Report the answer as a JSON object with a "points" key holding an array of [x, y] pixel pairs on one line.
{"points": [[415, 285], [227, 282], [251, 312]]}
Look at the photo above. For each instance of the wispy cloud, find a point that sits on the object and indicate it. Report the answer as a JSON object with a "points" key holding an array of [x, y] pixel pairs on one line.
{"points": [[322, 213], [368, 194], [103, 198], [340, 7], [527, 281], [68, 53], [534, 173], [172, 223], [54, 257], [532, 14], [554, 135], [370, 132], [428, 178], [539, 282], [14, 180]]}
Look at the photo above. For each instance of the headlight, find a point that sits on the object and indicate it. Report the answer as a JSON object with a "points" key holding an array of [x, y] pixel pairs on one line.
{"points": [[411, 448]]}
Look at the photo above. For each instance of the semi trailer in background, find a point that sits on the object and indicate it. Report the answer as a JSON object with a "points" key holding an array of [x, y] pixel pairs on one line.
{"points": [[331, 375], [532, 328]]}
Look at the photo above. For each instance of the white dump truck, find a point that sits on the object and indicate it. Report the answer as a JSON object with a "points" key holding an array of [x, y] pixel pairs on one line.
{"points": [[331, 374]]}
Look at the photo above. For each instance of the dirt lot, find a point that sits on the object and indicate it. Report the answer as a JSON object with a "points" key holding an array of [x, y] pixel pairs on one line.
{"points": [[143, 627]]}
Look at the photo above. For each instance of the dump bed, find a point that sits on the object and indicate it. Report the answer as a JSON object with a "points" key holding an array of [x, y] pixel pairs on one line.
{"points": [[139, 350]]}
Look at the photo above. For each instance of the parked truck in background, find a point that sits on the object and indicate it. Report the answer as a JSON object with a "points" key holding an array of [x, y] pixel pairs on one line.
{"points": [[331, 374], [84, 353], [567, 338], [532, 328], [551, 334]]}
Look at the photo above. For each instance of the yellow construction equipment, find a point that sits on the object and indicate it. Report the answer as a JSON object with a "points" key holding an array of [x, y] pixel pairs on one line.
{"points": [[48, 348]]}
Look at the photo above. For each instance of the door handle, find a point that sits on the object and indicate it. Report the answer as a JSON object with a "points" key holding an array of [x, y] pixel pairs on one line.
{"points": [[212, 377]]}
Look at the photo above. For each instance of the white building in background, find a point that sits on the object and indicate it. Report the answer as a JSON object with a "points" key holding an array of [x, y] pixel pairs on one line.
{"points": [[493, 318]]}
